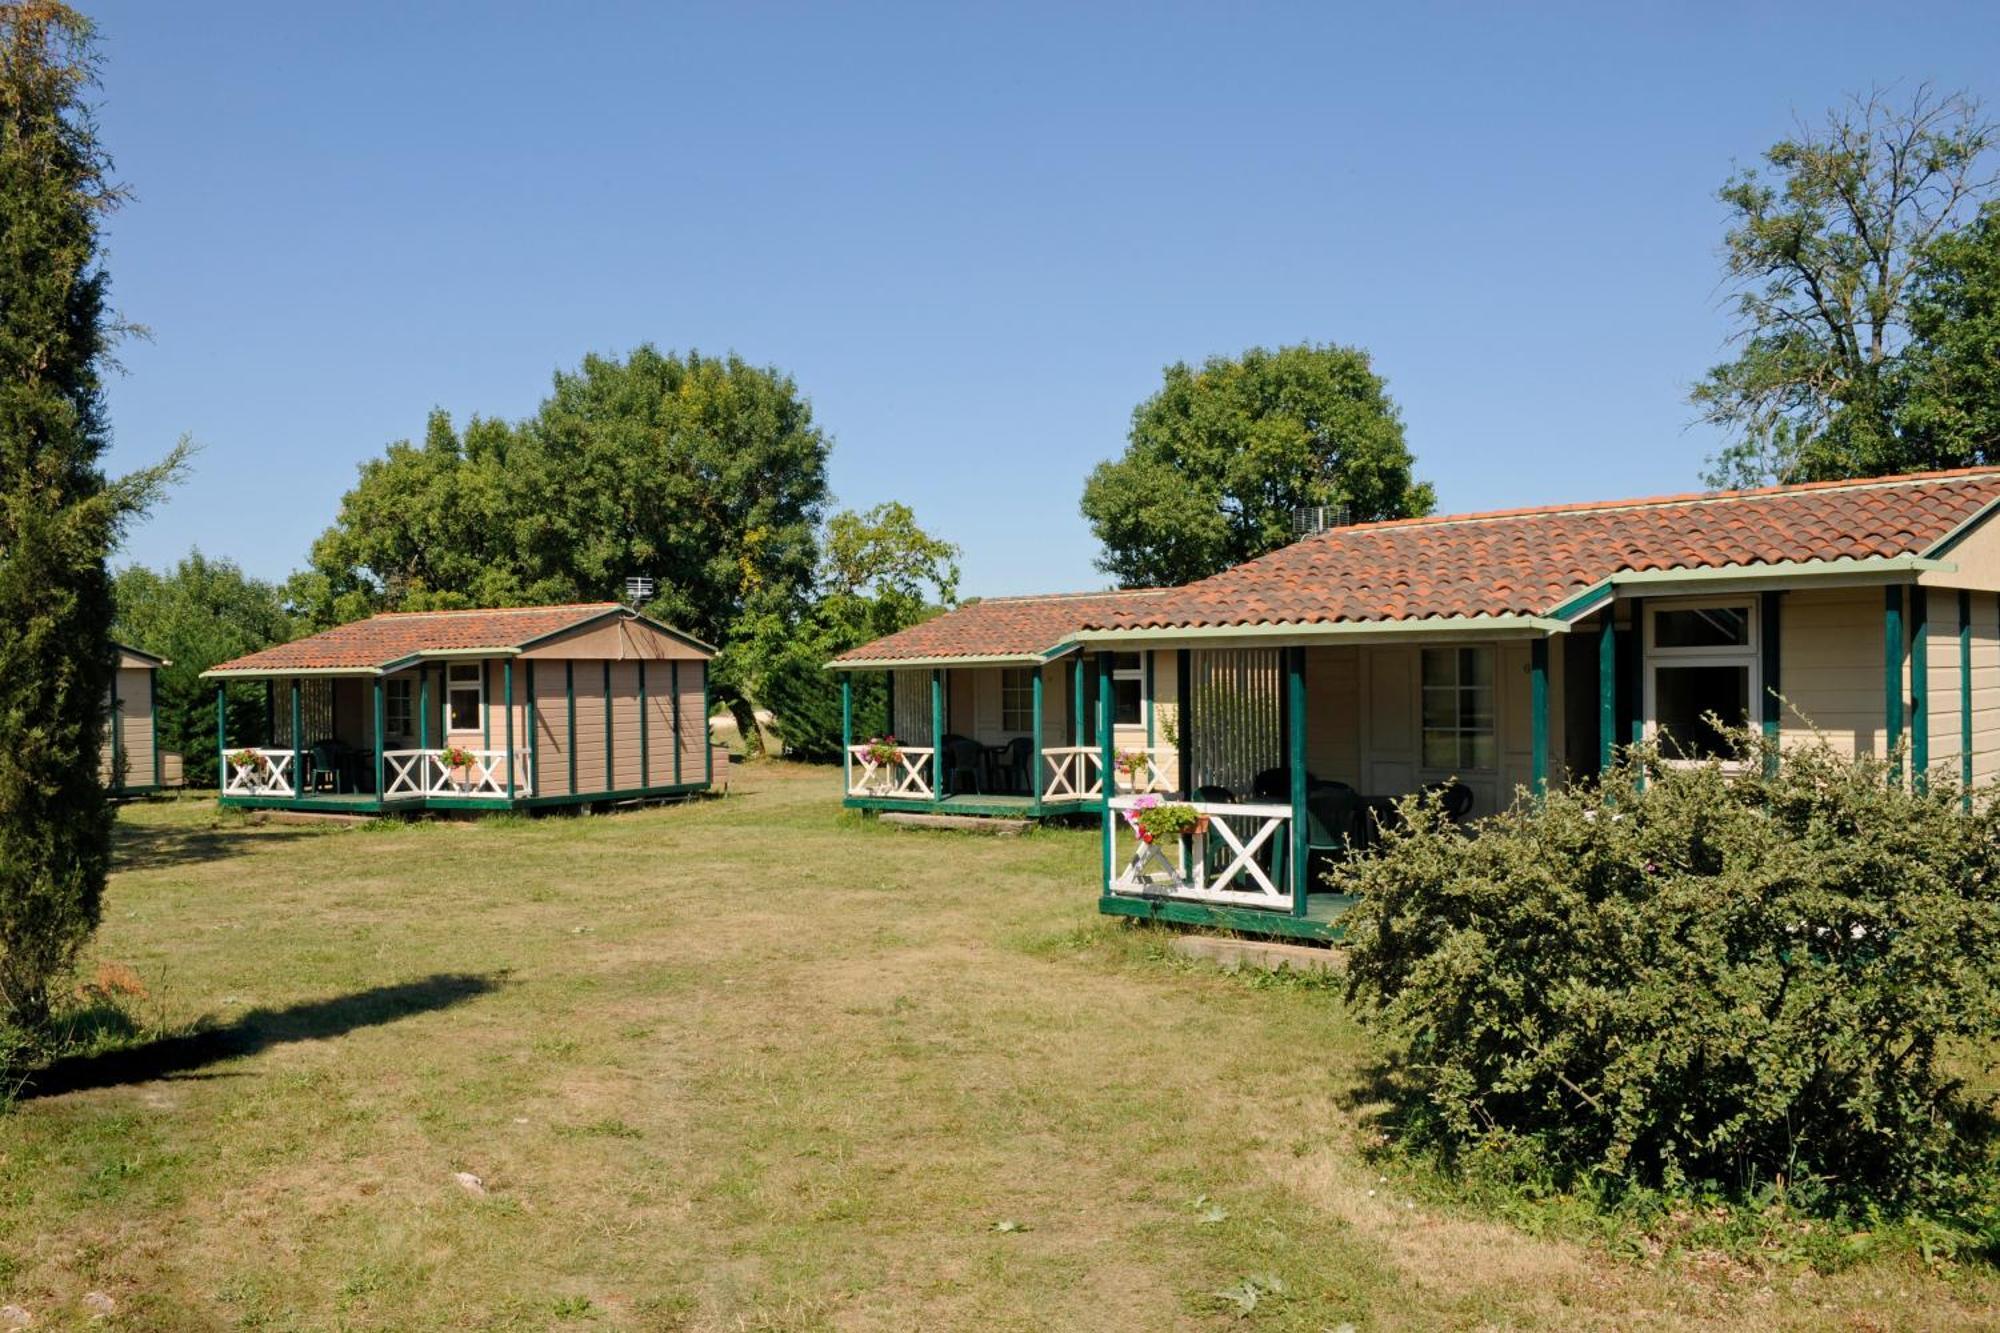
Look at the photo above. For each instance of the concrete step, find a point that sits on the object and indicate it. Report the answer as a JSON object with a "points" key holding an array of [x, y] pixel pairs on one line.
{"points": [[991, 824]]}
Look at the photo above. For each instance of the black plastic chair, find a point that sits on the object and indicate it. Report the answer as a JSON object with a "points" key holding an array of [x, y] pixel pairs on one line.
{"points": [[961, 760], [1011, 766], [326, 761]]}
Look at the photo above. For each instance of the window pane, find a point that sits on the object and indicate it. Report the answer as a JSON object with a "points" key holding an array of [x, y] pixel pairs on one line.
{"points": [[1440, 749], [1125, 702], [1483, 751], [1458, 708], [464, 671], [1703, 627], [1125, 664], [1682, 694], [1475, 666], [1440, 668], [464, 710]]}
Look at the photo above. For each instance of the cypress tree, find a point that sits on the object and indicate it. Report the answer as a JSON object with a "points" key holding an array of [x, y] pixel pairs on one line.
{"points": [[58, 514]]}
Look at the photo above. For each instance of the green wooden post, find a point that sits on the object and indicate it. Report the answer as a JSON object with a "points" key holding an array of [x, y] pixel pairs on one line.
{"points": [[1892, 677], [1635, 670], [485, 708], [534, 738], [1770, 624], [381, 764], [938, 792], [1295, 755], [1920, 689], [1107, 787], [298, 783], [507, 702], [569, 733], [1035, 749], [1607, 689], [610, 773], [1147, 703], [674, 684], [221, 736], [1077, 732], [1538, 707], [645, 736], [423, 708], [1965, 696], [846, 733], [1183, 743]]}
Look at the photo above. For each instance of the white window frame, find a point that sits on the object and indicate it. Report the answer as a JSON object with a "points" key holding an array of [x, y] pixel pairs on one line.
{"points": [[1749, 654], [1458, 689], [477, 684], [1024, 694], [1135, 672], [399, 696]]}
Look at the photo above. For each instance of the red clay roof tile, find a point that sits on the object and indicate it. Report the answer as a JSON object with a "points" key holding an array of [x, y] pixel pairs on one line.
{"points": [[393, 636], [1529, 561], [998, 627]]}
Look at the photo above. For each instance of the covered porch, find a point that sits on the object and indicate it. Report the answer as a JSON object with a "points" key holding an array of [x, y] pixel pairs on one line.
{"points": [[1008, 737], [435, 735]]}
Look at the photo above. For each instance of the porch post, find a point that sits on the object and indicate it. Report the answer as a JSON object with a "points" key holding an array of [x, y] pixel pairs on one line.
{"points": [[1965, 696], [534, 736], [507, 702], [221, 737], [938, 793], [1892, 677], [846, 733], [298, 773], [1295, 755], [1147, 702], [1920, 689], [1034, 774], [381, 765], [1538, 705], [1077, 734], [1107, 763], [424, 711], [1607, 689], [1772, 702], [1183, 747]]}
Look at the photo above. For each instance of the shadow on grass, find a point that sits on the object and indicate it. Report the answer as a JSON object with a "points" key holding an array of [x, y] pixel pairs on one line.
{"points": [[257, 1030], [139, 847]]}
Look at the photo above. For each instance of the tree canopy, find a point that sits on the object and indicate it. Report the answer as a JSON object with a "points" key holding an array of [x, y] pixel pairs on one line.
{"points": [[1221, 459], [197, 614], [1827, 248]]}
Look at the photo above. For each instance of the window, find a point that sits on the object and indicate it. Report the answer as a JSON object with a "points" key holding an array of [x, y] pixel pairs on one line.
{"points": [[1458, 710], [1128, 689], [1700, 660], [398, 717], [464, 693], [1017, 699]]}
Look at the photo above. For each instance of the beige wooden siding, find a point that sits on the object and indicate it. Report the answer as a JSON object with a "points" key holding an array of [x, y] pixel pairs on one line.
{"points": [[1985, 687], [590, 727], [1941, 681], [694, 727], [616, 641], [1057, 718], [626, 775], [659, 725], [131, 719], [1830, 667], [552, 738], [1333, 708], [961, 700]]}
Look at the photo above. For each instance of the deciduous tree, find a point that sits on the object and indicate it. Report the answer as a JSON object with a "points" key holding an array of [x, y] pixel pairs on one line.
{"points": [[1222, 458]]}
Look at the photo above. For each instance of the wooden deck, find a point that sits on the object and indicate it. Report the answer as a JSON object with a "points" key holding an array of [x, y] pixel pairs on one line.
{"points": [[367, 803], [1321, 921], [1011, 807]]}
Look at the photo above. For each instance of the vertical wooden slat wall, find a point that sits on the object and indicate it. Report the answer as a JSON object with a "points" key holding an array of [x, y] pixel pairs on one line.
{"points": [[1232, 716], [552, 738]]}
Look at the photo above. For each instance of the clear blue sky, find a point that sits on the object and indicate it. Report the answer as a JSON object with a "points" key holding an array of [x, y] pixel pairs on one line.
{"points": [[973, 234]]}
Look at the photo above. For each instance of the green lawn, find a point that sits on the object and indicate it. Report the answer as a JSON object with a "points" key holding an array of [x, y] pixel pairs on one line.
{"points": [[749, 1064]]}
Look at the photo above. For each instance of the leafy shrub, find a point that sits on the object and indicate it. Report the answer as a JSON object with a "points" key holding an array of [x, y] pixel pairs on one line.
{"points": [[1705, 983]]}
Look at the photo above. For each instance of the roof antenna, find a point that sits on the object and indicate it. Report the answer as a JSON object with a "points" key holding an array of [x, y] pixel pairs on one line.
{"points": [[1309, 520], [638, 589]]}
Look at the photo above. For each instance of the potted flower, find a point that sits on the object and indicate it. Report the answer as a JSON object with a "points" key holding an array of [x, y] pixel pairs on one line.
{"points": [[458, 763], [1131, 765], [884, 755], [252, 764], [1169, 820]]}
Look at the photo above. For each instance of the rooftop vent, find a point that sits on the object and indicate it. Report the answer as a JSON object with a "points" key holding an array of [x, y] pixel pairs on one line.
{"points": [[638, 589], [1309, 519]]}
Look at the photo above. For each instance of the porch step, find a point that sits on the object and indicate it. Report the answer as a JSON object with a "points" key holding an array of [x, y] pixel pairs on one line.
{"points": [[1234, 955], [999, 827]]}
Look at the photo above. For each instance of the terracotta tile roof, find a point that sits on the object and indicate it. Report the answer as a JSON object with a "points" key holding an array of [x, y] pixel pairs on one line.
{"points": [[1530, 561], [998, 627], [393, 636]]}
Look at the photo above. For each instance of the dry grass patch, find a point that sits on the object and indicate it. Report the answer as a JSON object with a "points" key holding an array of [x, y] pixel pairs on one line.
{"points": [[745, 1064]]}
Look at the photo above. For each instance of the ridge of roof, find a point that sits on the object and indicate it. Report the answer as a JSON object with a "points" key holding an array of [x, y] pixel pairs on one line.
{"points": [[490, 611]]}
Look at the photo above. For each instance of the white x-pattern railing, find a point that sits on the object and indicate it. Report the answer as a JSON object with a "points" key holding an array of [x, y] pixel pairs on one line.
{"points": [[258, 772], [1072, 773], [1182, 870], [907, 775], [426, 773]]}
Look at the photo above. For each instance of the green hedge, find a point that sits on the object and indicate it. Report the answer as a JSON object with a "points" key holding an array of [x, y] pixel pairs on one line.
{"points": [[1708, 982]]}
